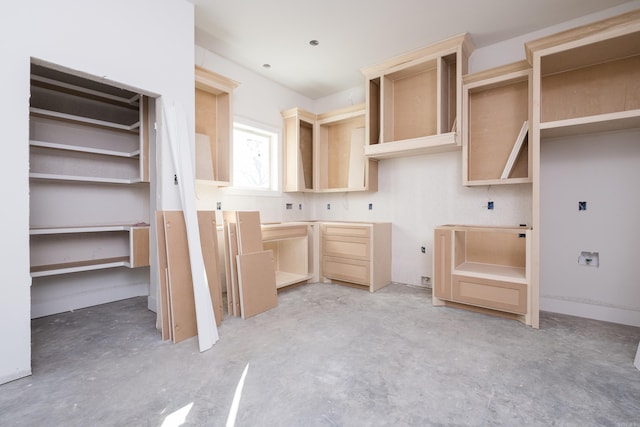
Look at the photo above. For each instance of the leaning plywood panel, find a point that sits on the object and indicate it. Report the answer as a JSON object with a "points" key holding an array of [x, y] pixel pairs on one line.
{"points": [[164, 311], [183, 310], [231, 250], [209, 242], [249, 232], [257, 279]]}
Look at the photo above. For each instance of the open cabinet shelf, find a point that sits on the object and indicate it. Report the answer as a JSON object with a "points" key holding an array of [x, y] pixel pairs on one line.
{"points": [[64, 250], [299, 150], [325, 152], [484, 267], [414, 100], [495, 132], [289, 244], [341, 162], [214, 127]]}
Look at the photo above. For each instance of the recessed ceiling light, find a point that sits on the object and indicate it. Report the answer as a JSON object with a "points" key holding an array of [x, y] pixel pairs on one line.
{"points": [[266, 65], [314, 42]]}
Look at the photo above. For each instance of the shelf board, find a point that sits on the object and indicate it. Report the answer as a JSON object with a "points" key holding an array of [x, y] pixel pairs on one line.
{"points": [[470, 183], [591, 124], [413, 147], [95, 179], [284, 278], [77, 266], [491, 272], [134, 100], [82, 229], [80, 149], [84, 120]]}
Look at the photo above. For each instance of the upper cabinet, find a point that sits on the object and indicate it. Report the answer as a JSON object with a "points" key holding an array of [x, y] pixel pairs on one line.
{"points": [[342, 165], [214, 126], [298, 149], [586, 79], [325, 153], [414, 100], [495, 148]]}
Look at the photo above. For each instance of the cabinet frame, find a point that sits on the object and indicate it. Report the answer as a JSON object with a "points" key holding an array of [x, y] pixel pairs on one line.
{"points": [[435, 72], [214, 119], [495, 146], [486, 269]]}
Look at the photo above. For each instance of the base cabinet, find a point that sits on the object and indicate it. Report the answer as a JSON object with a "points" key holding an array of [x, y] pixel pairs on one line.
{"points": [[357, 253], [484, 269]]}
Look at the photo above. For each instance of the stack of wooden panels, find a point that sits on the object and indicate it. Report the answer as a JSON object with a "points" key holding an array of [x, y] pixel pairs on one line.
{"points": [[177, 311], [250, 271]]}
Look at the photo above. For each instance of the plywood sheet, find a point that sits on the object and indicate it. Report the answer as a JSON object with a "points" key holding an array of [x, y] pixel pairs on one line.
{"points": [[249, 232], [183, 310], [231, 250], [256, 274], [209, 243], [164, 311]]}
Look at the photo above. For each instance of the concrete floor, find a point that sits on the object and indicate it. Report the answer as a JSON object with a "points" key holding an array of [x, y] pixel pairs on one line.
{"points": [[329, 356]]}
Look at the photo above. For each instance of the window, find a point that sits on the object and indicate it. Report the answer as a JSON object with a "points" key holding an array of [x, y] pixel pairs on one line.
{"points": [[255, 162]]}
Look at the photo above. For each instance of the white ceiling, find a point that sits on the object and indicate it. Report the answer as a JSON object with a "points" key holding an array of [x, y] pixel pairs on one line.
{"points": [[357, 33]]}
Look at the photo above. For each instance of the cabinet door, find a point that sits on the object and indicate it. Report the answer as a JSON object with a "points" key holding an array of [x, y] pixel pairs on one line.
{"points": [[348, 270], [494, 294], [348, 247], [442, 263]]}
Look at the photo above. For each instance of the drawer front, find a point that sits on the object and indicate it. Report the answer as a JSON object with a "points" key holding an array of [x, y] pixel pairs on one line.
{"points": [[347, 230], [494, 294], [348, 247], [347, 270], [280, 233]]}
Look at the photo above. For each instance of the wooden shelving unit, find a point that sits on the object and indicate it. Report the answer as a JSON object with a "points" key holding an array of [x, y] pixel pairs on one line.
{"points": [[585, 81], [299, 150], [341, 165], [214, 127], [89, 148], [484, 268], [62, 250], [495, 148], [414, 100]]}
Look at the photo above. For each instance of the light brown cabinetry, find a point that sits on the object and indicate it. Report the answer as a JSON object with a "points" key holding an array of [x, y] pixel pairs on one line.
{"points": [[357, 253], [325, 153], [214, 127], [414, 100], [342, 165], [495, 147], [289, 243], [299, 149], [483, 268]]}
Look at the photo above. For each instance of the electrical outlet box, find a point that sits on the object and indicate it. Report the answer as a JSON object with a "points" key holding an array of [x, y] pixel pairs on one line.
{"points": [[582, 206], [328, 206], [218, 205], [589, 259], [370, 206], [289, 206], [423, 249], [490, 205], [426, 281]]}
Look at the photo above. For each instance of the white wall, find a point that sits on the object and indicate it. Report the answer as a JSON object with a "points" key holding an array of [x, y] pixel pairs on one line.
{"points": [[145, 44], [604, 171]]}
